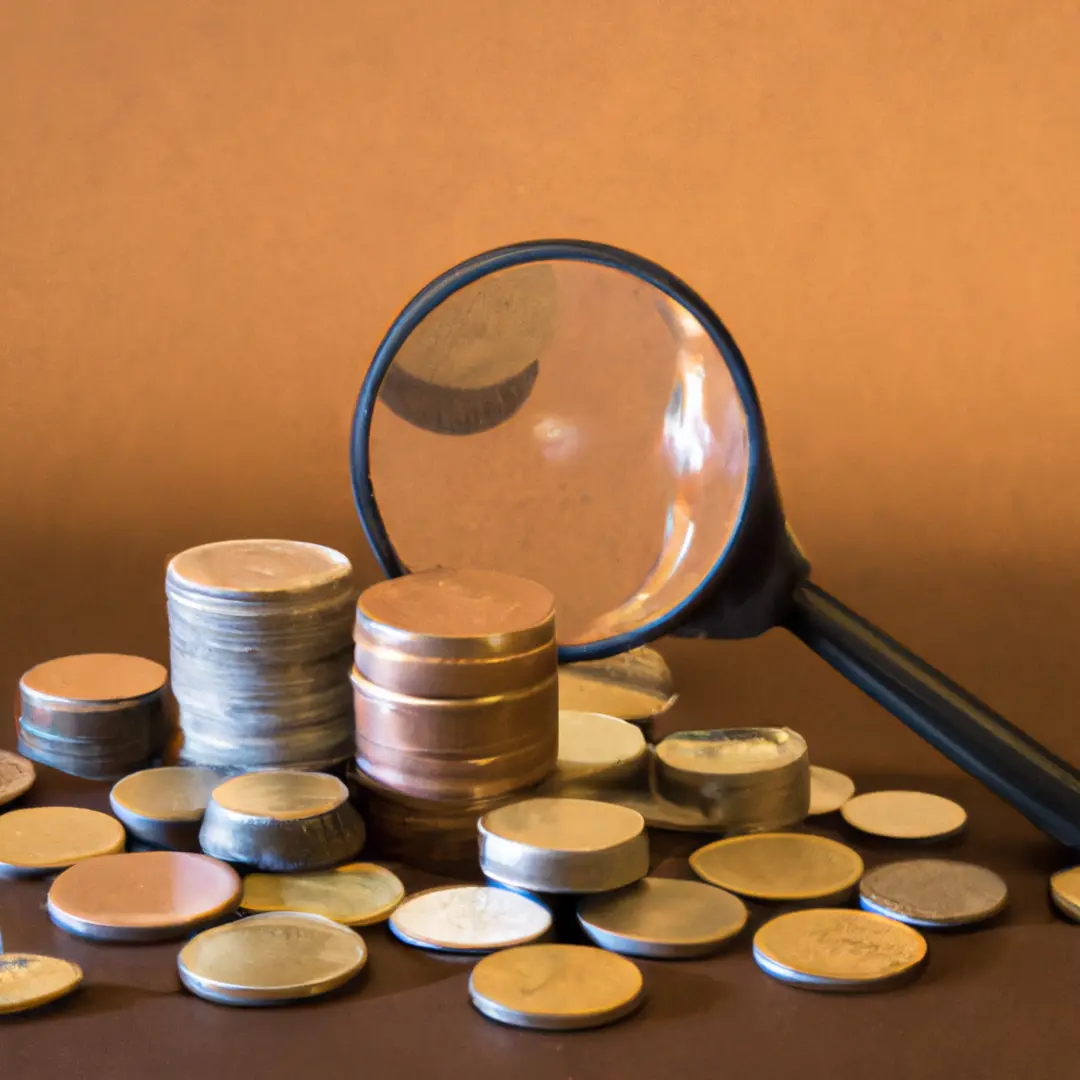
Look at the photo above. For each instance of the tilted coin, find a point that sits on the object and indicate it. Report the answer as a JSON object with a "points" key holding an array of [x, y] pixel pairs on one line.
{"points": [[838, 949], [47, 838], [905, 815], [165, 806], [779, 866], [469, 918], [663, 918], [27, 981], [933, 892], [143, 896], [597, 747], [359, 894], [634, 685], [556, 987], [16, 776], [263, 959], [829, 790], [1065, 892]]}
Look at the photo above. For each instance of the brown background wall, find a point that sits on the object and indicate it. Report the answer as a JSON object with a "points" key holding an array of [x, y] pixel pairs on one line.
{"points": [[210, 212]]}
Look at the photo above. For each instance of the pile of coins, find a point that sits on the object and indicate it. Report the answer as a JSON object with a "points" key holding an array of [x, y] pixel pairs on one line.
{"points": [[456, 705], [97, 715], [259, 634]]}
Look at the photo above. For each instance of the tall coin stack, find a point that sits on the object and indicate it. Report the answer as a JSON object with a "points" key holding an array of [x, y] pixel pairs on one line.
{"points": [[260, 638], [457, 708]]}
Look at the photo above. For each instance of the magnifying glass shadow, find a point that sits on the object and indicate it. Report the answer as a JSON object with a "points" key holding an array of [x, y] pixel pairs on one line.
{"points": [[726, 564]]}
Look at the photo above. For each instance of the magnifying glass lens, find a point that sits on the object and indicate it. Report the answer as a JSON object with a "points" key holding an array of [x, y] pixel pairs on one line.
{"points": [[570, 423]]}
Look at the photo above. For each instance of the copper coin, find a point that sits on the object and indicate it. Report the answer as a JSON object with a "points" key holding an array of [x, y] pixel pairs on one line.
{"points": [[47, 838], [27, 981], [98, 678], [143, 896], [933, 892], [16, 776], [905, 815]]}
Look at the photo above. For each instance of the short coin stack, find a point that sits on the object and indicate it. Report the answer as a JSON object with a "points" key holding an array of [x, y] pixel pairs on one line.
{"points": [[456, 702], [259, 633]]}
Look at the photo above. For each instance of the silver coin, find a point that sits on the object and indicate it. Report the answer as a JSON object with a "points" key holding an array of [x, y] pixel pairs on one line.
{"points": [[16, 776], [829, 790], [933, 892], [469, 918]]}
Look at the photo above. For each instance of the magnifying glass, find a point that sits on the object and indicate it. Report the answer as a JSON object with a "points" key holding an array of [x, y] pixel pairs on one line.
{"points": [[575, 414]]}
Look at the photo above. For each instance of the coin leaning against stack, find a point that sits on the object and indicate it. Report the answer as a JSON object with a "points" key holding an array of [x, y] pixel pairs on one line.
{"points": [[456, 704], [259, 634]]}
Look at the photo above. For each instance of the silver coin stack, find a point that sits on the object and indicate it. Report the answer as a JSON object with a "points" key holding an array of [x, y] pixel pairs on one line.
{"points": [[260, 635]]}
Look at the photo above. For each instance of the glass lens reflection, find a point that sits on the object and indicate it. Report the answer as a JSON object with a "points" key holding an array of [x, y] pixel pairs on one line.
{"points": [[567, 422]]}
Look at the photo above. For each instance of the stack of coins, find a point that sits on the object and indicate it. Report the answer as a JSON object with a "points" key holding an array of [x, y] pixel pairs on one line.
{"points": [[456, 700], [260, 639], [97, 715]]}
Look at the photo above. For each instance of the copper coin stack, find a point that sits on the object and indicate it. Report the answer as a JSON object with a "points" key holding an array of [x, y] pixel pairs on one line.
{"points": [[457, 709], [95, 715], [259, 633]]}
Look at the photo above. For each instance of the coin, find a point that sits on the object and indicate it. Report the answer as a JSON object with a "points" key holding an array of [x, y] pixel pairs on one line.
{"points": [[563, 845], [1065, 892], [97, 678], [905, 815], [47, 838], [838, 949], [16, 776], [663, 918], [164, 806], [469, 918], [933, 892], [556, 987], [283, 795], [264, 959], [634, 686], [779, 866], [597, 747], [359, 894], [142, 896], [829, 790], [27, 981]]}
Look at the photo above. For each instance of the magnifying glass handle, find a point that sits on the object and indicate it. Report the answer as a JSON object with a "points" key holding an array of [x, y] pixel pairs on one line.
{"points": [[1043, 787]]}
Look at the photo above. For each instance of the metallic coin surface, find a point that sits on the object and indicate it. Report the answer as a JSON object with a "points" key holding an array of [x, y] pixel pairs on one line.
{"points": [[469, 918], [634, 686], [259, 568], [905, 815], [663, 918], [143, 896], [359, 894], [556, 987], [1065, 892], [46, 838], [281, 794], [16, 776], [933, 892], [164, 806], [27, 981], [838, 949], [263, 959], [779, 866], [596, 746], [93, 678], [563, 845], [829, 790]]}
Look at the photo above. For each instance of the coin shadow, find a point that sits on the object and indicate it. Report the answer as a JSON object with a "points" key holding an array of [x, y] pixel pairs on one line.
{"points": [[673, 992], [90, 999], [408, 969]]}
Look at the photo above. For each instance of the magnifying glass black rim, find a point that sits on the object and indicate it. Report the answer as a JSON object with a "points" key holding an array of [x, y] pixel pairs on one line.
{"points": [[502, 258]]}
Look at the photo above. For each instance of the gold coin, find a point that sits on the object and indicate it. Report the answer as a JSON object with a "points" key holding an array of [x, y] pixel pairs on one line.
{"points": [[16, 776], [45, 838], [779, 866], [838, 949], [1065, 892], [555, 987], [904, 815], [171, 794], [359, 894], [829, 790], [27, 981], [282, 794]]}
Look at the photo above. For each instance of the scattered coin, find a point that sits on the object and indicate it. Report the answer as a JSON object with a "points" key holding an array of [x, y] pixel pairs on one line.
{"points": [[43, 839], [16, 776], [933, 892], [27, 981], [553, 845], [779, 866], [1065, 892], [635, 686], [663, 918], [265, 959], [905, 815], [469, 918], [143, 896], [165, 806], [359, 894], [829, 790], [838, 949], [597, 748], [556, 987]]}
